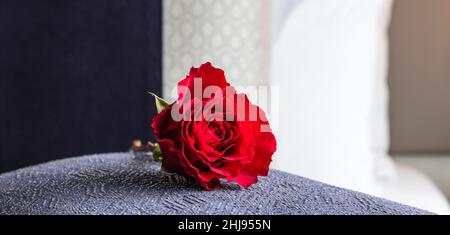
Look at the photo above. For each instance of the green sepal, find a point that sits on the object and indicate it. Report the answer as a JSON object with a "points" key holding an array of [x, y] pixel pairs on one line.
{"points": [[157, 155], [161, 104]]}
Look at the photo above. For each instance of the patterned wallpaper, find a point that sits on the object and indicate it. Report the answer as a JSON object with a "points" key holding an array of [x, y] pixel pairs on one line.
{"points": [[233, 35]]}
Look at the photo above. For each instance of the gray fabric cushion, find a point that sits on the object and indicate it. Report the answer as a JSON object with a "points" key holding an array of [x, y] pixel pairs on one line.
{"points": [[119, 184]]}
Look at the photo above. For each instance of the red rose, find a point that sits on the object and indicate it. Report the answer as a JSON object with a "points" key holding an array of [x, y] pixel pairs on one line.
{"points": [[225, 143]]}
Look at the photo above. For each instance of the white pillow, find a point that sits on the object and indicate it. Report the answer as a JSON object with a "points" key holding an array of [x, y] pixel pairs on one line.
{"points": [[329, 63]]}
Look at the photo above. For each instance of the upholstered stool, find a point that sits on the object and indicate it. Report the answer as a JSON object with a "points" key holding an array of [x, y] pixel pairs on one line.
{"points": [[120, 184]]}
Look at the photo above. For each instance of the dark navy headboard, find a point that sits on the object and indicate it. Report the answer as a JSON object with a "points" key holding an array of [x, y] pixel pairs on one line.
{"points": [[74, 76]]}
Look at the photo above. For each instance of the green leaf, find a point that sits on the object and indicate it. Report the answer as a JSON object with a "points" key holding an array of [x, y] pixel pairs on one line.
{"points": [[157, 155], [161, 104]]}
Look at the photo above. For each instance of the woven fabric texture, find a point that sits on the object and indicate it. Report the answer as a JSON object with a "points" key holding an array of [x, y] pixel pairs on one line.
{"points": [[119, 183]]}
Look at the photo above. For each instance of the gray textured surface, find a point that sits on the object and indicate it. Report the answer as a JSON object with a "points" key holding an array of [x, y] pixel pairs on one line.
{"points": [[119, 184]]}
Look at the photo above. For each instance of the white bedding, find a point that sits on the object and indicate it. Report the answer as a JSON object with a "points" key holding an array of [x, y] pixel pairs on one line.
{"points": [[412, 187], [329, 62]]}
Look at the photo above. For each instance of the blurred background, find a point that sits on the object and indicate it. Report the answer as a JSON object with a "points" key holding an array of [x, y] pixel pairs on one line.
{"points": [[365, 85], [419, 81]]}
